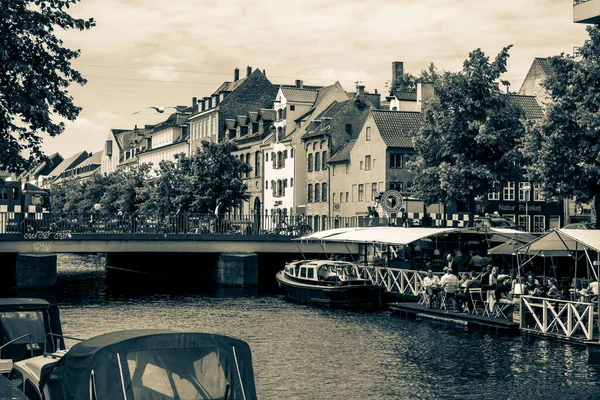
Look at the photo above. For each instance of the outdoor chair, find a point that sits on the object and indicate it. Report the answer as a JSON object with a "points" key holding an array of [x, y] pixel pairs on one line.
{"points": [[447, 296], [501, 309], [480, 303]]}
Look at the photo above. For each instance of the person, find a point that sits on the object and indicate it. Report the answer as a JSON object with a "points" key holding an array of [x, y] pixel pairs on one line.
{"points": [[538, 291], [374, 212], [477, 261], [531, 282], [370, 215], [449, 283], [458, 259], [470, 283], [404, 217], [485, 277], [554, 291], [493, 277], [502, 294], [432, 285], [450, 264]]}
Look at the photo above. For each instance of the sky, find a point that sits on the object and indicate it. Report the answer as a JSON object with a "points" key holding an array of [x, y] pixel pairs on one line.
{"points": [[162, 53]]}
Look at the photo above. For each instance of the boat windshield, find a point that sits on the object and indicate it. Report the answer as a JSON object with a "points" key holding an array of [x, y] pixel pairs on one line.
{"points": [[202, 373], [19, 323]]}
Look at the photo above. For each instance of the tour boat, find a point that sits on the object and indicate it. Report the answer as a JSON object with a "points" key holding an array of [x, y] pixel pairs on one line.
{"points": [[336, 284], [142, 364]]}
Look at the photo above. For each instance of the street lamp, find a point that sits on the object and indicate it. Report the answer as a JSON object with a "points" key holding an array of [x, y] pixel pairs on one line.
{"points": [[526, 188]]}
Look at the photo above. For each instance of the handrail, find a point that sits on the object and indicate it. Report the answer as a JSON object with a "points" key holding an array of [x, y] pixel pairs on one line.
{"points": [[60, 337], [19, 338]]}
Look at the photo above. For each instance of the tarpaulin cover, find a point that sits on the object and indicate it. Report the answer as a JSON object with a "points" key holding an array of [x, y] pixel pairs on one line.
{"points": [[20, 316], [152, 364], [565, 239], [392, 235]]}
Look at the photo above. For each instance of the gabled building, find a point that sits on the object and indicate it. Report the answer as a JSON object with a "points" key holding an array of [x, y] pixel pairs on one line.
{"points": [[539, 70], [39, 175], [67, 164], [83, 170], [121, 145]]}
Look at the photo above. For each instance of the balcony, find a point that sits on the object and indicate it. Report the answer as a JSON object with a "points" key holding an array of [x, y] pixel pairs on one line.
{"points": [[586, 11]]}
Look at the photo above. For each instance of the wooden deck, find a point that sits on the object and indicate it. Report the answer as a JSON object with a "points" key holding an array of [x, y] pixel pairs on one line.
{"points": [[479, 321]]}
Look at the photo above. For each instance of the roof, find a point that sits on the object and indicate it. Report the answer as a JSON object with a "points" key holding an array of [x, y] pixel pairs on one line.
{"points": [[544, 64], [329, 112], [565, 239], [343, 153], [296, 95], [306, 114], [529, 104], [406, 95], [395, 126], [268, 114], [24, 303], [174, 120], [95, 158], [69, 163]]}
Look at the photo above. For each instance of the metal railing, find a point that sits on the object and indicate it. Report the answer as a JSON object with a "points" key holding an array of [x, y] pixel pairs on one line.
{"points": [[560, 318]]}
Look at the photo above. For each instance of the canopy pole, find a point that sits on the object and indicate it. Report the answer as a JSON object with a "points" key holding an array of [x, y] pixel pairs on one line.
{"points": [[349, 252], [300, 250]]}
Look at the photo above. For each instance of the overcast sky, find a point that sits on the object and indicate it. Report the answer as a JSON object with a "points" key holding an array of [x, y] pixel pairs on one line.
{"points": [[162, 53]]}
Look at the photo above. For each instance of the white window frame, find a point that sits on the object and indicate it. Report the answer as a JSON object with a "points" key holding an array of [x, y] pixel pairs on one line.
{"points": [[522, 191], [524, 221], [537, 192], [509, 192], [539, 223], [368, 133]]}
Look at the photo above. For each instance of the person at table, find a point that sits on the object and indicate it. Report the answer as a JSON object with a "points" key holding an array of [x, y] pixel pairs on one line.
{"points": [[449, 282], [593, 290], [464, 296], [538, 291], [493, 277], [485, 277], [502, 295], [531, 282], [554, 292], [432, 286]]}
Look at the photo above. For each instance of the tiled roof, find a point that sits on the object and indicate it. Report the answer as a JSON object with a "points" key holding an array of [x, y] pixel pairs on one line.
{"points": [[229, 86], [69, 163], [295, 95], [395, 126], [253, 115], [343, 154], [323, 92], [544, 64], [405, 95], [268, 114], [95, 158], [331, 110], [174, 120], [306, 114], [529, 105]]}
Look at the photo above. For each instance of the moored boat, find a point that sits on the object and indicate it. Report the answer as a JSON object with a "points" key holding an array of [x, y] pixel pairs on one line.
{"points": [[332, 283]]}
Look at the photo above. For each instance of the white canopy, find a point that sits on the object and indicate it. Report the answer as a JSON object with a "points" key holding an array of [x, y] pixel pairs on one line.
{"points": [[391, 235], [565, 239], [502, 234]]}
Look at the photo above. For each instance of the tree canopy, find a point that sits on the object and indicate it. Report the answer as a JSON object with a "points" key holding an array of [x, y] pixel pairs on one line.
{"points": [[563, 148], [468, 142], [35, 73]]}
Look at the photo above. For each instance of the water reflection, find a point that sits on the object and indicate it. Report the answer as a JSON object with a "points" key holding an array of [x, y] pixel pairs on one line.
{"points": [[303, 352]]}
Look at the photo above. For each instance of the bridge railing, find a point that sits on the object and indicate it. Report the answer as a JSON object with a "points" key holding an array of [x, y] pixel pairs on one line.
{"points": [[559, 318], [116, 223]]}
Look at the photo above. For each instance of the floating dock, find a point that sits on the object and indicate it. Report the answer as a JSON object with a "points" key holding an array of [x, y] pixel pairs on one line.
{"points": [[460, 318]]}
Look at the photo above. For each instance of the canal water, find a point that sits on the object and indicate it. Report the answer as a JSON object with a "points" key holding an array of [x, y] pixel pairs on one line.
{"points": [[302, 352]]}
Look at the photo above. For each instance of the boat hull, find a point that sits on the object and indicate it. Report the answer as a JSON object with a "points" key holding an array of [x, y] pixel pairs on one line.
{"points": [[345, 296]]}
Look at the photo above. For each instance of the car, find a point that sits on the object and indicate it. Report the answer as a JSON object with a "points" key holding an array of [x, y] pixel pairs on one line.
{"points": [[580, 225]]}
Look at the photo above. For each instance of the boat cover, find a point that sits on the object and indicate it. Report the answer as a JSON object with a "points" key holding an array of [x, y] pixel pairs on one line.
{"points": [[565, 239], [391, 235], [22, 316], [152, 364]]}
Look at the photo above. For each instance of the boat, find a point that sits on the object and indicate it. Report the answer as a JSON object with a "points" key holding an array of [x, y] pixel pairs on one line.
{"points": [[28, 326], [333, 283], [142, 364]]}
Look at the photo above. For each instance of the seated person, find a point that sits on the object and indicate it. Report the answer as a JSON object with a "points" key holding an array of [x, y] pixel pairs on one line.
{"points": [[554, 292], [502, 294], [531, 282], [450, 283], [432, 286], [538, 291], [465, 296]]}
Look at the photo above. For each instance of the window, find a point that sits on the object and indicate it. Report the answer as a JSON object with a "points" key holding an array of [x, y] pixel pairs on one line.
{"points": [[266, 156], [361, 192], [324, 160], [367, 163], [292, 152], [292, 107], [399, 186], [316, 223], [30, 391], [396, 161], [509, 191], [279, 159], [291, 182], [524, 191], [317, 162], [347, 168], [311, 271], [368, 133], [524, 221], [323, 192], [333, 197], [274, 188], [409, 186], [539, 223], [317, 192], [257, 164], [310, 162], [347, 196], [309, 193], [266, 184], [15, 193], [361, 165], [373, 190], [349, 129], [279, 187], [274, 160], [537, 192], [494, 194]]}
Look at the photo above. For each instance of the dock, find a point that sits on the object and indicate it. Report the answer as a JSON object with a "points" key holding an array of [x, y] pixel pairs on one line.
{"points": [[479, 321]]}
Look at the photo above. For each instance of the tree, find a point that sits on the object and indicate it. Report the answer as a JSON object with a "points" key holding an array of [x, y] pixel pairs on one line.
{"points": [[467, 143], [562, 149], [35, 72]]}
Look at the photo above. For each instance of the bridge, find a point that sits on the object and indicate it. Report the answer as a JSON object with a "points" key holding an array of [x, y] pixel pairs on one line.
{"points": [[228, 251]]}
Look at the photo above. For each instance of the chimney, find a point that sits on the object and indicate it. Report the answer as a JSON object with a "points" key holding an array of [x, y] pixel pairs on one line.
{"points": [[361, 92], [202, 105], [248, 70], [264, 73], [397, 71], [217, 98], [195, 103], [236, 74], [299, 84], [208, 102], [425, 92]]}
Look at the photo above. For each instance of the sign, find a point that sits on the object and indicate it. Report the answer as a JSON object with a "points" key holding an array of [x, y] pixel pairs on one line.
{"points": [[336, 206], [392, 201]]}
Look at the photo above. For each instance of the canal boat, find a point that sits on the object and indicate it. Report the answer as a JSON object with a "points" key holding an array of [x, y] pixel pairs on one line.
{"points": [[142, 364], [28, 326], [332, 283]]}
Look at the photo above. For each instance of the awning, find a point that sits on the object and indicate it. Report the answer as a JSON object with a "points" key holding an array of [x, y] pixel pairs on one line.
{"points": [[508, 248], [391, 235], [501, 234], [565, 239]]}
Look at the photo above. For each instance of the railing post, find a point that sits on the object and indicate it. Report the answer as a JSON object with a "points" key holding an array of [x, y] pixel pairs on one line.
{"points": [[569, 321], [590, 332], [521, 313], [544, 316]]}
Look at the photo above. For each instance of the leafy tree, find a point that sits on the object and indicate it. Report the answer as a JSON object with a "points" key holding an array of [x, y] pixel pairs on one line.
{"points": [[124, 189], [170, 191], [467, 144], [35, 72], [563, 148], [217, 175], [405, 82]]}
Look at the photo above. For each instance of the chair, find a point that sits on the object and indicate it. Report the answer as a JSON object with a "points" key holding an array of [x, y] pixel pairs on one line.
{"points": [[422, 294], [447, 294], [501, 309], [480, 303]]}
